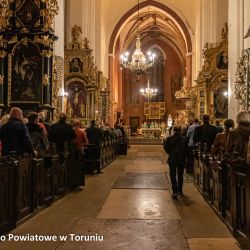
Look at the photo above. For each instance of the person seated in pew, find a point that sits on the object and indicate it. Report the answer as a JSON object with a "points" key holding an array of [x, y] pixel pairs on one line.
{"points": [[38, 137], [205, 134], [14, 135], [95, 137], [61, 132], [221, 140], [81, 137], [237, 143]]}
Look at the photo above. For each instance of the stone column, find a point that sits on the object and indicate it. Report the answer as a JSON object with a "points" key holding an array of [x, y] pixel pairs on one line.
{"points": [[235, 46]]}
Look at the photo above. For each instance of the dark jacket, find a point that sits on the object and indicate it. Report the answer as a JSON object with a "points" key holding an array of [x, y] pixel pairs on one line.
{"points": [[95, 136], [38, 139], [205, 134], [60, 133], [237, 143], [15, 137], [176, 147]]}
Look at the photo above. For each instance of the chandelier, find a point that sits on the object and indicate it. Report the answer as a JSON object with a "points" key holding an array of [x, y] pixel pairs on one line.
{"points": [[139, 62], [148, 92]]}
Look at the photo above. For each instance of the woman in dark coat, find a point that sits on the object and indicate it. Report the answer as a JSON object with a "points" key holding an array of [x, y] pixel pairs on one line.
{"points": [[38, 138], [176, 147], [237, 143]]}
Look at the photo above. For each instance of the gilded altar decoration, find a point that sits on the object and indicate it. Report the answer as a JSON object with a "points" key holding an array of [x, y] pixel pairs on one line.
{"points": [[212, 80], [49, 13], [27, 46], [88, 90], [242, 79], [44, 40], [76, 33], [5, 14], [57, 68], [154, 110], [77, 43]]}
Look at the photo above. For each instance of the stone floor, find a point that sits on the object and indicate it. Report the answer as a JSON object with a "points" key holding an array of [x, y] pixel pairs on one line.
{"points": [[138, 215]]}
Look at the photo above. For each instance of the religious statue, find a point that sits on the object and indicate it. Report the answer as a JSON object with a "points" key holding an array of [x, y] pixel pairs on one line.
{"points": [[69, 110], [170, 121], [76, 34], [86, 43], [82, 110]]}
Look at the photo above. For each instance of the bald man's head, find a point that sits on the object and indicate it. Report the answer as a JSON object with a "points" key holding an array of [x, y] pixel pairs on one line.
{"points": [[16, 113]]}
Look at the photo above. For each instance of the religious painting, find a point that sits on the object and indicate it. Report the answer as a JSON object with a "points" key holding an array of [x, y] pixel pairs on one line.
{"points": [[76, 65], [222, 60], [76, 100], [221, 103], [26, 84]]}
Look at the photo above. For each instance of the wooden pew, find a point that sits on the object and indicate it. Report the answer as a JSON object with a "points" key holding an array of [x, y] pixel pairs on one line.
{"points": [[240, 181], [8, 187], [25, 187]]}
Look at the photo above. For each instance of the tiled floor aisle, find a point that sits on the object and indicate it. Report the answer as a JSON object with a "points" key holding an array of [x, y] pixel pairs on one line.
{"points": [[135, 213]]}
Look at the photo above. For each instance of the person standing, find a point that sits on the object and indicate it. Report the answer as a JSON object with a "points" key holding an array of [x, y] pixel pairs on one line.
{"points": [[205, 134], [191, 146], [14, 135], [81, 138], [95, 137], [38, 137], [176, 147], [61, 132]]}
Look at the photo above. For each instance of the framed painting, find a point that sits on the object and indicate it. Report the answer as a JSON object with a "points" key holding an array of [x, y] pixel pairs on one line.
{"points": [[221, 103], [76, 100], [26, 74], [222, 60], [76, 65]]}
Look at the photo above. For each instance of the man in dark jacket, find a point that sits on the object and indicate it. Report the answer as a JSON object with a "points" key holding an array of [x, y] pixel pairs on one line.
{"points": [[205, 134], [95, 137], [61, 132], [14, 135], [176, 147]]}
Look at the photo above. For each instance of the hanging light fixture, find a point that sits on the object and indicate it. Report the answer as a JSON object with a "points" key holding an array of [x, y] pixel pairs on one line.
{"points": [[139, 62], [148, 92]]}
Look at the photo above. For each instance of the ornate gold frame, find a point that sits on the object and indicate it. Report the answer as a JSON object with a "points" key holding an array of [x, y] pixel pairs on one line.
{"points": [[211, 77]]}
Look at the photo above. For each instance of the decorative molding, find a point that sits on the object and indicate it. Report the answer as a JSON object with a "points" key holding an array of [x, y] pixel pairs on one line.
{"points": [[5, 14], [242, 80], [1, 79], [45, 80], [49, 13]]}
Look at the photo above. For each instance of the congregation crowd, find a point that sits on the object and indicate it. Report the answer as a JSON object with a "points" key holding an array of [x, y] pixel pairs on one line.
{"points": [[32, 135], [221, 143]]}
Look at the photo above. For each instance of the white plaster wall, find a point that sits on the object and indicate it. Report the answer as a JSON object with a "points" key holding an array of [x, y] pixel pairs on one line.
{"points": [[59, 30], [246, 22]]}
